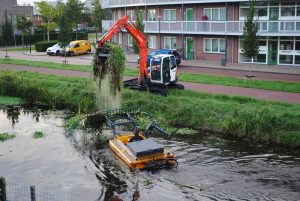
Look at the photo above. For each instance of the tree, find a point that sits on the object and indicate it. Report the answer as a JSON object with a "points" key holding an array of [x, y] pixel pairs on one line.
{"points": [[24, 25], [250, 40], [74, 10], [49, 15], [63, 23], [97, 15], [7, 31], [140, 25]]}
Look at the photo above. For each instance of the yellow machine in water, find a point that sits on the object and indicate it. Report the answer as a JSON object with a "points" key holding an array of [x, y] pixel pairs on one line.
{"points": [[135, 148]]}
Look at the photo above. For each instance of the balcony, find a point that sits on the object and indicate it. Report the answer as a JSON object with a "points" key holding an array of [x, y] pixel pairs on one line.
{"points": [[130, 3], [233, 28]]}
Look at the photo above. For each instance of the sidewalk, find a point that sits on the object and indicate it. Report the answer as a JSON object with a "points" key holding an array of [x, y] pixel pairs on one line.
{"points": [[288, 69]]}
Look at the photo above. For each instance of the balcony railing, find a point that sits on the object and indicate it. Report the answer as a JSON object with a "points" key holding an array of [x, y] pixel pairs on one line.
{"points": [[266, 28], [127, 3]]}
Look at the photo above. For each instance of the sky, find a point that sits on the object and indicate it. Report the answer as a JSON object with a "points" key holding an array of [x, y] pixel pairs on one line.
{"points": [[21, 2]]}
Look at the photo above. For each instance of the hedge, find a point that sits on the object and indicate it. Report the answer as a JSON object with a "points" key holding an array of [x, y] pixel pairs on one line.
{"points": [[43, 45]]}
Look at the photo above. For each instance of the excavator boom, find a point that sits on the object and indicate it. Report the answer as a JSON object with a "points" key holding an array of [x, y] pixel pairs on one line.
{"points": [[126, 23]]}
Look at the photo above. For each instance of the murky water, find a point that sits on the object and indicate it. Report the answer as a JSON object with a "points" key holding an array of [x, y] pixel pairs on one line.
{"points": [[81, 166]]}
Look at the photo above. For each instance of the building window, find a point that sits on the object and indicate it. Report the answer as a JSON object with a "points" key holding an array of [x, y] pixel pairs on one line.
{"points": [[151, 15], [129, 40], [169, 42], [297, 59], [215, 14], [214, 45], [286, 59], [288, 11], [152, 42], [298, 10], [169, 14], [130, 14]]}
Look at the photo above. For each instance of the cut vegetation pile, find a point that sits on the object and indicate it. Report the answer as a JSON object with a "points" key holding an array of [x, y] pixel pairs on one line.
{"points": [[241, 117], [108, 78]]}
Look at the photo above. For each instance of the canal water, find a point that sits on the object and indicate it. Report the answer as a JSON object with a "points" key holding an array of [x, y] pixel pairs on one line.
{"points": [[79, 164]]}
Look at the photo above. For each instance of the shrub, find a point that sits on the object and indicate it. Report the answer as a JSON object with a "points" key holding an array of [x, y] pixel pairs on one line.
{"points": [[42, 46], [38, 134]]}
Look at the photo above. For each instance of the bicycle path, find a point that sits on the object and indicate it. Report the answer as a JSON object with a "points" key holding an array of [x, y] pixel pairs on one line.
{"points": [[208, 88]]}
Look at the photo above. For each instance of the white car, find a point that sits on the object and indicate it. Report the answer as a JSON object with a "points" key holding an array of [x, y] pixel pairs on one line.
{"points": [[54, 50]]}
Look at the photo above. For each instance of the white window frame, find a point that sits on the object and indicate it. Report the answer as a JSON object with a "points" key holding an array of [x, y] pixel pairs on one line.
{"points": [[151, 15], [209, 10], [219, 45], [151, 42], [169, 16], [129, 40], [130, 14], [171, 45]]}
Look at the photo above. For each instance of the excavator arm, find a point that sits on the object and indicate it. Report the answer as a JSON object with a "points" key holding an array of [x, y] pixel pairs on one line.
{"points": [[126, 23]]}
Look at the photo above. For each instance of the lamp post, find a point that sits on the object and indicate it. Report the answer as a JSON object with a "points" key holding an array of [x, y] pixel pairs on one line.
{"points": [[159, 31]]}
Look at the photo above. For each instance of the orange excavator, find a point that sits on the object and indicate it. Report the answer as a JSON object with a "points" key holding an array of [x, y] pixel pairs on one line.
{"points": [[162, 73]]}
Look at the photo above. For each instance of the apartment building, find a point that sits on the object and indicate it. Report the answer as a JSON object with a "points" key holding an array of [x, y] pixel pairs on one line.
{"points": [[211, 29], [13, 9]]}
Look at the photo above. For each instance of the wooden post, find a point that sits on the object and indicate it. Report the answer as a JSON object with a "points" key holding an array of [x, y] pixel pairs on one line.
{"points": [[2, 189], [32, 193]]}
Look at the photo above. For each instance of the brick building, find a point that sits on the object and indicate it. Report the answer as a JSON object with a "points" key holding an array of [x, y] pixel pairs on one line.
{"points": [[211, 29], [13, 9]]}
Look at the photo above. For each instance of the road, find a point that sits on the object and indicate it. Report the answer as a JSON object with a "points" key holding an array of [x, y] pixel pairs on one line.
{"points": [[87, 59]]}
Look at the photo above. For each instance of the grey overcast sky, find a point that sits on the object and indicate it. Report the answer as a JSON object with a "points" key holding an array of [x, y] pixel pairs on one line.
{"points": [[21, 2]]}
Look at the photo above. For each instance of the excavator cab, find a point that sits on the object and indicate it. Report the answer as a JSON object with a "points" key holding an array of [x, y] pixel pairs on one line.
{"points": [[163, 69]]}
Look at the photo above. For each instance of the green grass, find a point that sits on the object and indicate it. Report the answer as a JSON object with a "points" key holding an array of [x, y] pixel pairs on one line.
{"points": [[6, 136], [237, 82], [38, 134], [239, 117], [20, 48], [186, 77], [6, 100]]}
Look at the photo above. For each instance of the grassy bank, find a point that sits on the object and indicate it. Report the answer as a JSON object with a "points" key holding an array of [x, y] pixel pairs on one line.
{"points": [[186, 77], [7, 100], [231, 116]]}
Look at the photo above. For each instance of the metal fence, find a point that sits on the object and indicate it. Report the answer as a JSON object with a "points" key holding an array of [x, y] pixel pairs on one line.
{"points": [[15, 192]]}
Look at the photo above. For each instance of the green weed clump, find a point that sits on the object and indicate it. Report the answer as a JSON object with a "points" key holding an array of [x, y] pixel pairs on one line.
{"points": [[38, 134], [74, 122], [6, 136]]}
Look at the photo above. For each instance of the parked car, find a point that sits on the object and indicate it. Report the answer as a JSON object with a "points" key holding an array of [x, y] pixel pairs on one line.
{"points": [[77, 47], [152, 53], [54, 50]]}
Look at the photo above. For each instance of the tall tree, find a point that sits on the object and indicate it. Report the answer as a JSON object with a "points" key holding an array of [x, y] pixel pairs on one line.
{"points": [[63, 23], [140, 25], [98, 15], [24, 25], [75, 9], [250, 40], [7, 30], [49, 15]]}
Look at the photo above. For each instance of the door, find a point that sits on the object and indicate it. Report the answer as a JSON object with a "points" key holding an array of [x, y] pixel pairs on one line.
{"points": [[189, 48], [272, 52], [273, 17], [166, 67], [189, 17], [155, 70]]}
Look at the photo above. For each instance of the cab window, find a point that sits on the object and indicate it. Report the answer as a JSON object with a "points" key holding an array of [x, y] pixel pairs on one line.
{"points": [[77, 45], [172, 62]]}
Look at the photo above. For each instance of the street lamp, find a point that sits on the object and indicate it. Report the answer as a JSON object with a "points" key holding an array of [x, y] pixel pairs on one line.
{"points": [[159, 31]]}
